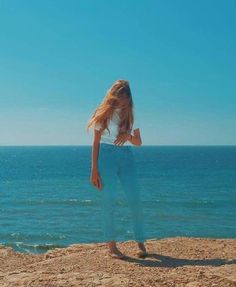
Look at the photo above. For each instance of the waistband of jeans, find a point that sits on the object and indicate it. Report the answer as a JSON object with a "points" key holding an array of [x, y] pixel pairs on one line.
{"points": [[114, 147]]}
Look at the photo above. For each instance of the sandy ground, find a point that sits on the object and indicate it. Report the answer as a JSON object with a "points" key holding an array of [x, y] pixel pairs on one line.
{"points": [[176, 262]]}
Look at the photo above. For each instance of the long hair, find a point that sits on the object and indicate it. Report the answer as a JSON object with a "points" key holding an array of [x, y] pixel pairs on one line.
{"points": [[118, 96]]}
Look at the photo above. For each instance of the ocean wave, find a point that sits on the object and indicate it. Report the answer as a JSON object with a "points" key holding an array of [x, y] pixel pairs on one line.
{"points": [[70, 201], [32, 248], [207, 203]]}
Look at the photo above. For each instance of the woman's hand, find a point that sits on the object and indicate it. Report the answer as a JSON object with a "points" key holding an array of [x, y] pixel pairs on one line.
{"points": [[95, 178], [122, 138]]}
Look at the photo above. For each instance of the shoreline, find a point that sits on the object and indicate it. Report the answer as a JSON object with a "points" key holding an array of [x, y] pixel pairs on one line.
{"points": [[174, 261], [49, 247]]}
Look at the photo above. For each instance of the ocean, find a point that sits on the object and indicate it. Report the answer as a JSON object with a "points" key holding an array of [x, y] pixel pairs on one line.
{"points": [[47, 201]]}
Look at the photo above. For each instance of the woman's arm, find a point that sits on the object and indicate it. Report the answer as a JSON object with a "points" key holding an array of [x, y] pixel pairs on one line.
{"points": [[136, 138], [95, 149], [95, 178]]}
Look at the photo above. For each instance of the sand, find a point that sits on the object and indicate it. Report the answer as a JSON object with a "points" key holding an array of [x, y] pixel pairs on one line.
{"points": [[176, 262]]}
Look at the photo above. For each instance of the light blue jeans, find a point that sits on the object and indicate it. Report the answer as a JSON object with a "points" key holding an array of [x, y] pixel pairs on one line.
{"points": [[118, 163]]}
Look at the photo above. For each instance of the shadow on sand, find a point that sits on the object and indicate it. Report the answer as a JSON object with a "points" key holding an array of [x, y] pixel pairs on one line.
{"points": [[158, 260]]}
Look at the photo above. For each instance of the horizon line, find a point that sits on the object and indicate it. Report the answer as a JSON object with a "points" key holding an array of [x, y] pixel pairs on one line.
{"points": [[78, 145]]}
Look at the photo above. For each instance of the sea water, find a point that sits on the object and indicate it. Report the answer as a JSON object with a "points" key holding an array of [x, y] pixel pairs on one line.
{"points": [[47, 200]]}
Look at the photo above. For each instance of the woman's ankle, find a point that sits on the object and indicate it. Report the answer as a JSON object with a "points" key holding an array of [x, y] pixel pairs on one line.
{"points": [[141, 246], [112, 245]]}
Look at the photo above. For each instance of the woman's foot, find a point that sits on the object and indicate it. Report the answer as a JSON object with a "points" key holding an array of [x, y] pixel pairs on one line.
{"points": [[114, 252], [142, 250], [117, 254]]}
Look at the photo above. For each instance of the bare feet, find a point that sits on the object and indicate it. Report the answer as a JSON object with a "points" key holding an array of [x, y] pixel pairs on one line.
{"points": [[114, 252], [142, 250], [117, 254]]}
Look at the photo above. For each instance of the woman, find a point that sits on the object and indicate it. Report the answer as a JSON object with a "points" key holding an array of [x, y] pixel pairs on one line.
{"points": [[113, 159]]}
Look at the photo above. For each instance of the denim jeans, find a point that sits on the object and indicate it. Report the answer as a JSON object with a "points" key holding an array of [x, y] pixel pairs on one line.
{"points": [[118, 163]]}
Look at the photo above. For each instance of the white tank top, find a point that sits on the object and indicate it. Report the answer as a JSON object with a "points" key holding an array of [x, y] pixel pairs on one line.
{"points": [[113, 127]]}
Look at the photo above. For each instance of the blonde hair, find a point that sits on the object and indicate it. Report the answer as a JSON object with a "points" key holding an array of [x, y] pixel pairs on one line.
{"points": [[118, 96]]}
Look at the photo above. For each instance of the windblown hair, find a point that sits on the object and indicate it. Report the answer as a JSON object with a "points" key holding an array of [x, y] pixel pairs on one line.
{"points": [[118, 96]]}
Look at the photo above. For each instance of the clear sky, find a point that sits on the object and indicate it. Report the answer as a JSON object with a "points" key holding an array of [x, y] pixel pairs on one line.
{"points": [[58, 58]]}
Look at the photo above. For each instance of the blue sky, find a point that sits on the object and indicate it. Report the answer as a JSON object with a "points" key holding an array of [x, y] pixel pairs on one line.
{"points": [[58, 58]]}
